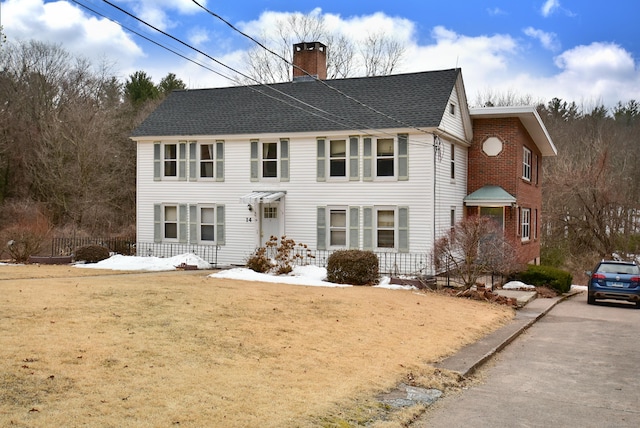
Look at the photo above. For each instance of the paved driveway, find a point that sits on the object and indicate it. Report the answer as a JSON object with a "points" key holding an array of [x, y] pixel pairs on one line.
{"points": [[579, 366]]}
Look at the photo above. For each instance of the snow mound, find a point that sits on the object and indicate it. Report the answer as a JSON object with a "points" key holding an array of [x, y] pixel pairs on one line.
{"points": [[120, 262], [517, 285]]}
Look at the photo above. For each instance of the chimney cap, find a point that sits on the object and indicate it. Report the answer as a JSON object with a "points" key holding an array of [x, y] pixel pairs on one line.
{"points": [[309, 46]]}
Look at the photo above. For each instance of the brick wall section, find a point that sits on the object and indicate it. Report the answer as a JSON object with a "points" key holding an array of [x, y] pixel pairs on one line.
{"points": [[505, 170]]}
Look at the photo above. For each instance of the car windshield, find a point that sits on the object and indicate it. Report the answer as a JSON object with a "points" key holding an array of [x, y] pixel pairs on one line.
{"points": [[619, 268]]}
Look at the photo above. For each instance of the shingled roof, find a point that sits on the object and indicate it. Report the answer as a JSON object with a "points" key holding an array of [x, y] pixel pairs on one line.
{"points": [[415, 99]]}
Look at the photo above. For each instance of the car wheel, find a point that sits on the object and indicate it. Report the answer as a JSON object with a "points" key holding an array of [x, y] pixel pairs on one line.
{"points": [[592, 300]]}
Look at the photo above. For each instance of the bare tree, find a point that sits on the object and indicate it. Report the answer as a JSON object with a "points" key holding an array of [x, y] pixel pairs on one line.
{"points": [[65, 138], [379, 54], [476, 246]]}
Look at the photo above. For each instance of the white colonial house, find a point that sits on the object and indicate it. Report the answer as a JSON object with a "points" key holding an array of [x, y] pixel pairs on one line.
{"points": [[375, 163]]}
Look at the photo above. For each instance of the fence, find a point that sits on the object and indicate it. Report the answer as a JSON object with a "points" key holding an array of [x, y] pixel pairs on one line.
{"points": [[410, 264], [68, 246]]}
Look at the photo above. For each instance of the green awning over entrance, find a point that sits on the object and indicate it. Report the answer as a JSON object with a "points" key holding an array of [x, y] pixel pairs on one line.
{"points": [[489, 196]]}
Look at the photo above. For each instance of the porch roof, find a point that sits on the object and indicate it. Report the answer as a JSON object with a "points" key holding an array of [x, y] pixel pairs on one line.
{"points": [[262, 196], [490, 196]]}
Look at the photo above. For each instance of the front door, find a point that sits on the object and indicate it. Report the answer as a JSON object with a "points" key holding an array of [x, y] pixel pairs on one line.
{"points": [[270, 221]]}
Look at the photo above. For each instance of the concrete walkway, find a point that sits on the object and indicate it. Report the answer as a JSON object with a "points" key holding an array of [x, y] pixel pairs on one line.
{"points": [[469, 358]]}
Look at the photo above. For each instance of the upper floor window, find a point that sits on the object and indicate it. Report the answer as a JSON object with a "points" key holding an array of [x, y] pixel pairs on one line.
{"points": [[270, 160], [337, 158], [188, 160], [453, 161], [206, 160], [526, 164], [170, 157], [385, 157], [452, 108]]}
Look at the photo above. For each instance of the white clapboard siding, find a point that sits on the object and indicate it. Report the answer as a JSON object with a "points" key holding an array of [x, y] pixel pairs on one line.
{"points": [[304, 193]]}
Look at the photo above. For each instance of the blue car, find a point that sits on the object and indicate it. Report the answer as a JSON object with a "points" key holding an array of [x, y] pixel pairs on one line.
{"points": [[614, 280]]}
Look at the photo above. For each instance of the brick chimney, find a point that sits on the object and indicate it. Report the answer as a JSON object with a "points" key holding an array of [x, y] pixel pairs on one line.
{"points": [[310, 57]]}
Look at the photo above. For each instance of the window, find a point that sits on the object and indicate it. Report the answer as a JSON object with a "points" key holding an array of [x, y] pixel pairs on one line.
{"points": [[385, 228], [338, 227], [537, 170], [170, 160], [270, 212], [453, 161], [526, 164], [269, 160], [170, 222], [452, 220], [338, 158], [494, 213], [525, 224], [452, 109], [207, 222], [206, 160], [385, 157]]}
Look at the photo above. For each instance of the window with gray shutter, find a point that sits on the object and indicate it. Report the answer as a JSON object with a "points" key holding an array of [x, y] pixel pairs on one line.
{"points": [[254, 161], [403, 157], [321, 226], [367, 160], [321, 160], [354, 171]]}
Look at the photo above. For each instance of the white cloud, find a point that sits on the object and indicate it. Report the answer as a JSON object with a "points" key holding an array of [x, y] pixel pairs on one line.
{"points": [[496, 11], [549, 7], [63, 23], [548, 40], [157, 12], [497, 62]]}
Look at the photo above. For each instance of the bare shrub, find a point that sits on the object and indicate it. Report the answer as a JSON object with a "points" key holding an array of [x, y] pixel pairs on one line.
{"points": [[29, 229], [474, 247], [285, 254]]}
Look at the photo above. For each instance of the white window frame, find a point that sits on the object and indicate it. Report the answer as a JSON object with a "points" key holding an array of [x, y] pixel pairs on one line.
{"points": [[331, 227], [525, 224], [201, 223], [377, 157], [344, 158], [201, 161], [165, 222], [453, 162], [526, 164], [377, 228], [262, 159], [164, 160]]}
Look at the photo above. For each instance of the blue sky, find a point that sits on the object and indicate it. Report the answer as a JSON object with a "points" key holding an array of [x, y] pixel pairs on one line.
{"points": [[578, 50]]}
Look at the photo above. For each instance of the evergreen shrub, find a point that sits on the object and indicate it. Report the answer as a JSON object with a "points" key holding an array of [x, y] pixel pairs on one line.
{"points": [[355, 267]]}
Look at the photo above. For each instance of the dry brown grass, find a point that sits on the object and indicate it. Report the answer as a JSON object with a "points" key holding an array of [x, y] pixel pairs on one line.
{"points": [[81, 348]]}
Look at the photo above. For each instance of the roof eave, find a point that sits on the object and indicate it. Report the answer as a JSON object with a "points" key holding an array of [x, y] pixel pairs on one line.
{"points": [[529, 117]]}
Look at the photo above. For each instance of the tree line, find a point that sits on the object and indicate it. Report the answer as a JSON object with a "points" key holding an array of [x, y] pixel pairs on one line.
{"points": [[65, 152]]}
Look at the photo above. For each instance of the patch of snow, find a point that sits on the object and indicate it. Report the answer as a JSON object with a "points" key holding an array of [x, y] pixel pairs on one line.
{"points": [[517, 285], [120, 262], [579, 287]]}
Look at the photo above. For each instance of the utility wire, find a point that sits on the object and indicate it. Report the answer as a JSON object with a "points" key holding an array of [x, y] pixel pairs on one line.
{"points": [[363, 128], [307, 73]]}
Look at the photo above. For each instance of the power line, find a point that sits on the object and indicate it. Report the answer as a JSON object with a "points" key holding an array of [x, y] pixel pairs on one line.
{"points": [[307, 73], [365, 129]]}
